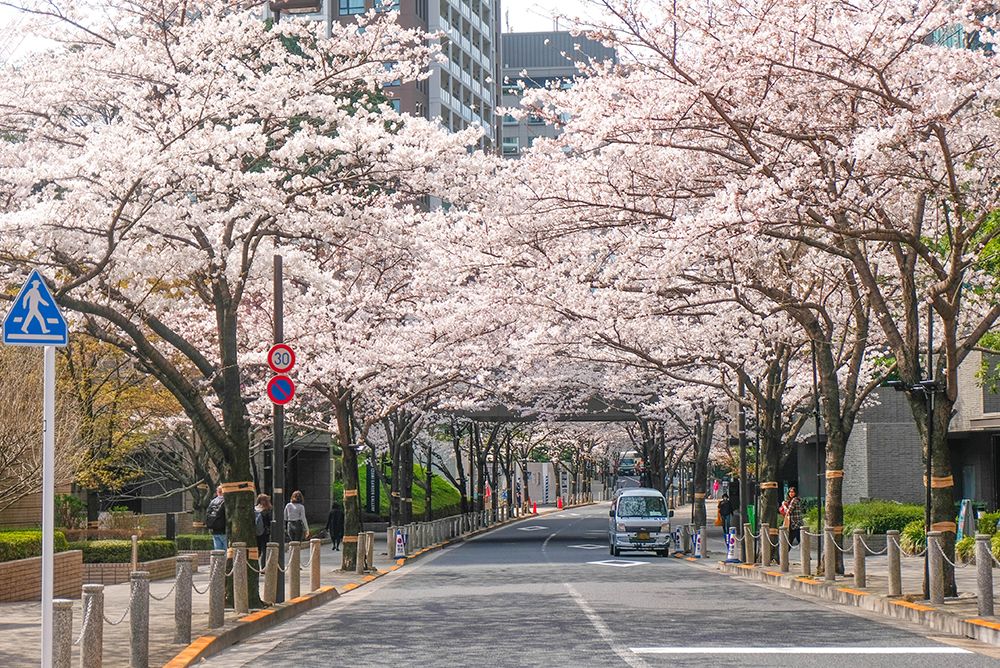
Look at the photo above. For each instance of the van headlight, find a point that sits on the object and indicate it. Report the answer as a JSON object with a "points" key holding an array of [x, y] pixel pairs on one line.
{"points": [[664, 528], [620, 527]]}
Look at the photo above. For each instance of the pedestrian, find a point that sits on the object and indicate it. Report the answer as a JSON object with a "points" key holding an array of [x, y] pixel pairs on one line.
{"points": [[791, 508], [215, 520], [295, 518], [726, 513], [335, 525], [715, 488], [263, 513]]}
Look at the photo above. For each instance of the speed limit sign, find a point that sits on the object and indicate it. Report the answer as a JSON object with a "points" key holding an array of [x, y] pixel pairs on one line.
{"points": [[281, 358]]}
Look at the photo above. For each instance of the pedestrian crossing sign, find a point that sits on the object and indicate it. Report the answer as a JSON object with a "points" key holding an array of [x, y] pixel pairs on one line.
{"points": [[35, 319]]}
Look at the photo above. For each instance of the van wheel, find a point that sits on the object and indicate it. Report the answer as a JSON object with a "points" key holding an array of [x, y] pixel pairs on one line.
{"points": [[614, 551], [663, 553]]}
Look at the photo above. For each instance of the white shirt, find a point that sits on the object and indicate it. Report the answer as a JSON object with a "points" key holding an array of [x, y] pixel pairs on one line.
{"points": [[295, 512]]}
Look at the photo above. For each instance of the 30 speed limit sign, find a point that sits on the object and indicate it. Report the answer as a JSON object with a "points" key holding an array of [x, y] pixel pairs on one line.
{"points": [[281, 358]]}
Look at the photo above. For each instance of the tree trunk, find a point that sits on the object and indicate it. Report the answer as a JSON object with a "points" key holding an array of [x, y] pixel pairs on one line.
{"points": [[456, 444], [705, 428], [349, 473], [428, 511]]}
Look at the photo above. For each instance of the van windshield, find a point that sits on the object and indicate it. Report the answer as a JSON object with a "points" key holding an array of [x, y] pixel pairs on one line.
{"points": [[641, 506]]}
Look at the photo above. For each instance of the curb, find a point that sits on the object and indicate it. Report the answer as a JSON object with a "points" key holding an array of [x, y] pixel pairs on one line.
{"points": [[983, 630], [210, 644]]}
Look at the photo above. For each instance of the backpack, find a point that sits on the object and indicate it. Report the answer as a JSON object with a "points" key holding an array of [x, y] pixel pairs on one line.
{"points": [[215, 518], [258, 520]]}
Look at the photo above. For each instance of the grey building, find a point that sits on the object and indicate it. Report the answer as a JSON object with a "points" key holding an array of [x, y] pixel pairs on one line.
{"points": [[462, 91], [539, 60]]}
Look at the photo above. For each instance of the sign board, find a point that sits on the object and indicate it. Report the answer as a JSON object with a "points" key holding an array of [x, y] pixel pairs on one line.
{"points": [[280, 390], [34, 319], [400, 545], [281, 358], [966, 520], [372, 501]]}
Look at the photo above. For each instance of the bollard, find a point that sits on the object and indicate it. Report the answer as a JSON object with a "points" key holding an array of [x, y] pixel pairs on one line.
{"points": [[62, 633], [294, 569], [271, 574], [765, 544], [182, 599], [369, 555], [139, 620], [860, 574], [984, 574], [935, 567], [135, 553], [749, 553], [217, 589], [92, 640], [390, 541], [829, 556], [895, 572], [359, 565], [241, 590], [783, 547], [315, 545], [685, 539], [806, 551]]}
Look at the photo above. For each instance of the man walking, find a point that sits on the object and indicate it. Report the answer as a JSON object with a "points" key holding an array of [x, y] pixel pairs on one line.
{"points": [[215, 520]]}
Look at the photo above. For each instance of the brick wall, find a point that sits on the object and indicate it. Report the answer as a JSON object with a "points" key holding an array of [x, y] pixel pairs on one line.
{"points": [[21, 580], [109, 574]]}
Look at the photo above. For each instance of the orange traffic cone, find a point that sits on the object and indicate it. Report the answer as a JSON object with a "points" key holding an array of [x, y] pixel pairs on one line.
{"points": [[534, 508], [559, 503]]}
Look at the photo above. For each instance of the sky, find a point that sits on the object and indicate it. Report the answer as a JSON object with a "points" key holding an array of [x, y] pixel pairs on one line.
{"points": [[537, 15]]}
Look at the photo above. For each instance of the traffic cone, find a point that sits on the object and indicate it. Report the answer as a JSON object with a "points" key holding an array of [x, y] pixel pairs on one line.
{"points": [[559, 503], [534, 508]]}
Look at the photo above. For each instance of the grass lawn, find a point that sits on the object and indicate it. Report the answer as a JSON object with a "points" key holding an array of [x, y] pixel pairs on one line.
{"points": [[443, 493]]}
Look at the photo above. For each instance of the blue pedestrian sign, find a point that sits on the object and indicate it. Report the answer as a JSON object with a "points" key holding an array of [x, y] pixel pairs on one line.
{"points": [[35, 319]]}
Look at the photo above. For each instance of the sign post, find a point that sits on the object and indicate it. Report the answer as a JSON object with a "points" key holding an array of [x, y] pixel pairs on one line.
{"points": [[35, 320]]}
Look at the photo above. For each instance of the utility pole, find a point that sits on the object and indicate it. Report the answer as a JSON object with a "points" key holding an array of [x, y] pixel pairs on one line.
{"points": [[278, 435], [741, 425]]}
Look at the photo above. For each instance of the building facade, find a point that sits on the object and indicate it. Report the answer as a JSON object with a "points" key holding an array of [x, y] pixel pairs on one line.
{"points": [[539, 60], [463, 90]]}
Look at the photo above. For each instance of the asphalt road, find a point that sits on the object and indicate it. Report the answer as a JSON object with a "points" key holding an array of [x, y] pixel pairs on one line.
{"points": [[545, 592]]}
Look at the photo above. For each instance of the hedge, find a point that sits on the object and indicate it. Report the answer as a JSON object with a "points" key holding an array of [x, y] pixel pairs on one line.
{"points": [[873, 517], [912, 538], [987, 522], [965, 549], [120, 551], [194, 541], [26, 543]]}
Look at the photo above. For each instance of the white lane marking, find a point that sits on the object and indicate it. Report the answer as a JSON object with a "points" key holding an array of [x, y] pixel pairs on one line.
{"points": [[799, 650], [588, 546], [545, 543], [618, 563], [602, 629], [532, 528]]}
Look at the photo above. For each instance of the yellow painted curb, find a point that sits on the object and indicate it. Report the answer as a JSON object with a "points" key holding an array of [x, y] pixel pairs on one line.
{"points": [[807, 580], [774, 573], [350, 586], [856, 592], [983, 622], [912, 606], [183, 659]]}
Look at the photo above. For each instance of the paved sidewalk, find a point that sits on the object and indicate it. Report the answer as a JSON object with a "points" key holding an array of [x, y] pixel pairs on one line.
{"points": [[20, 623]]}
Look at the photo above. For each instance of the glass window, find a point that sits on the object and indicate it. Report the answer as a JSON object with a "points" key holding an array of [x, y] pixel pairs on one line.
{"points": [[348, 7], [641, 506], [534, 119], [509, 120], [395, 105], [383, 6], [388, 68], [511, 145]]}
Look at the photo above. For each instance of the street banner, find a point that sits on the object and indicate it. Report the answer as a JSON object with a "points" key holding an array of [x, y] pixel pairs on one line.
{"points": [[400, 544], [372, 492]]}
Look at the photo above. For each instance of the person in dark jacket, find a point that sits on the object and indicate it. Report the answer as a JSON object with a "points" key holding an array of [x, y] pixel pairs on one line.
{"points": [[263, 514], [335, 525], [215, 520], [726, 512]]}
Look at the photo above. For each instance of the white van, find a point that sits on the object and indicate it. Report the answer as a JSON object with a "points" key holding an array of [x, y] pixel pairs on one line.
{"points": [[640, 521]]}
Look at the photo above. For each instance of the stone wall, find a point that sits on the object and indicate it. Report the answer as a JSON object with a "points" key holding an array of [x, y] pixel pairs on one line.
{"points": [[109, 574], [21, 580]]}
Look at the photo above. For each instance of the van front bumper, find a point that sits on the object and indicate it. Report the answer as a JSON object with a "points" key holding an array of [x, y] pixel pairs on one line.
{"points": [[632, 541]]}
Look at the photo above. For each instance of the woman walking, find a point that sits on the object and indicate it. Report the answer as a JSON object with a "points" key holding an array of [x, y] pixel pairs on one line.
{"points": [[792, 510], [295, 518], [263, 514]]}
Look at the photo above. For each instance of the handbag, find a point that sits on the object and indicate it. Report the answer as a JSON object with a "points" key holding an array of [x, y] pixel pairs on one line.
{"points": [[718, 519], [787, 521]]}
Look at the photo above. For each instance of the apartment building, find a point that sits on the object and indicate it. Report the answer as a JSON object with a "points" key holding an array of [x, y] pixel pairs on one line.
{"points": [[462, 91], [540, 60]]}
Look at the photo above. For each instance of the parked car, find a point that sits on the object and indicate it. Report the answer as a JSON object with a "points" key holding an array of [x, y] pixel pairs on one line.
{"points": [[627, 466], [640, 521]]}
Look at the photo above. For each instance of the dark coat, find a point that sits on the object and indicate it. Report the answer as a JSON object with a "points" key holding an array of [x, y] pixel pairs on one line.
{"points": [[725, 507], [335, 523]]}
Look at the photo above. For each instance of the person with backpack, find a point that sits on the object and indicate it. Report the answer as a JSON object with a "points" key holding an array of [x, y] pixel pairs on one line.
{"points": [[295, 518], [263, 513], [215, 520], [335, 525]]}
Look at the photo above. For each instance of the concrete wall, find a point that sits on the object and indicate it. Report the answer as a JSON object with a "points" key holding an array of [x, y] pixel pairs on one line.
{"points": [[109, 574]]}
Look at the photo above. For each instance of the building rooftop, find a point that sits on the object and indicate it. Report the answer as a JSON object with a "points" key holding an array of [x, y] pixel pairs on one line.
{"points": [[551, 49]]}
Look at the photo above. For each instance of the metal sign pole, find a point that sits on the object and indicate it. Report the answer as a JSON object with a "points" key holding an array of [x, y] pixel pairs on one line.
{"points": [[278, 499], [48, 499]]}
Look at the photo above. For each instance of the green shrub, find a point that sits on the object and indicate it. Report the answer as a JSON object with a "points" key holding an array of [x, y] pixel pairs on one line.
{"points": [[912, 538], [995, 546], [71, 512], [875, 517], [987, 522], [965, 549], [22, 544], [120, 551], [194, 541]]}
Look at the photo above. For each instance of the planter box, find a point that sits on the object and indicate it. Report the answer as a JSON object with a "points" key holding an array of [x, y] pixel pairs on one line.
{"points": [[21, 580], [109, 574]]}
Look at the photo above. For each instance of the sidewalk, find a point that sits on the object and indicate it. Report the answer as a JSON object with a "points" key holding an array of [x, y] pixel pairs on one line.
{"points": [[20, 623], [957, 615]]}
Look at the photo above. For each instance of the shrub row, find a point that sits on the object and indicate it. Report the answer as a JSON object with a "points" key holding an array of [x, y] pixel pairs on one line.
{"points": [[120, 551], [965, 549], [874, 517], [26, 543], [194, 541], [987, 522]]}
